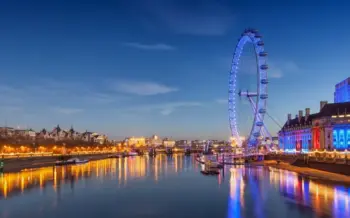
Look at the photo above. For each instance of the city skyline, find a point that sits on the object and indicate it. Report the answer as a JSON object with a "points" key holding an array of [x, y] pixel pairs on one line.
{"points": [[162, 67]]}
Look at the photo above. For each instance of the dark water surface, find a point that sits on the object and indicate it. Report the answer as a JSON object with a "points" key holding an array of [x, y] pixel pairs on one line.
{"points": [[166, 187]]}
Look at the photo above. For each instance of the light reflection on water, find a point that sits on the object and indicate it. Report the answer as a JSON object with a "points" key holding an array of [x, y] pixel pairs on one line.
{"points": [[244, 192], [122, 169], [310, 197]]}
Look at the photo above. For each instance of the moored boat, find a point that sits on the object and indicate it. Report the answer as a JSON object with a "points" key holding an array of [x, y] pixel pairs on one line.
{"points": [[215, 165], [71, 161], [132, 153], [152, 152], [115, 156], [209, 172], [209, 169]]}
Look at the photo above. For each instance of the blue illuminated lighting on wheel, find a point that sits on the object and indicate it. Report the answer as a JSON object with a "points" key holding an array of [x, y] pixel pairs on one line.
{"points": [[254, 37]]}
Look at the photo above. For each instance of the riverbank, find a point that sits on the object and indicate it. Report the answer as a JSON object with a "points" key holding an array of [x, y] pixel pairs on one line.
{"points": [[16, 165], [306, 172], [303, 171]]}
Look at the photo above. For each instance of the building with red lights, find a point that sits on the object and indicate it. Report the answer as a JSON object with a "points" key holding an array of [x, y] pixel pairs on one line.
{"points": [[328, 129]]}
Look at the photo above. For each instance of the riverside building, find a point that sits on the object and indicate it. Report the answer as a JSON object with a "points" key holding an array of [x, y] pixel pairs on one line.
{"points": [[328, 129]]}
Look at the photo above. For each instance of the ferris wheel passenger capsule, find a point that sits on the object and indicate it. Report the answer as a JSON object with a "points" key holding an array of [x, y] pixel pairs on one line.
{"points": [[263, 54], [264, 67], [260, 43], [262, 111], [263, 96], [264, 81], [259, 123], [256, 134]]}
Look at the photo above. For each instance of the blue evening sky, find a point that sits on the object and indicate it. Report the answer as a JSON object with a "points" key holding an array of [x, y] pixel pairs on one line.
{"points": [[161, 67]]}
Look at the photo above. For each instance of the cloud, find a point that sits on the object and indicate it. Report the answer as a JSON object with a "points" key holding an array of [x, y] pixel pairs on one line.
{"points": [[275, 73], [157, 47], [167, 111], [164, 109], [142, 88], [67, 111], [243, 101], [277, 69], [46, 93], [202, 18], [221, 101], [280, 68], [10, 108]]}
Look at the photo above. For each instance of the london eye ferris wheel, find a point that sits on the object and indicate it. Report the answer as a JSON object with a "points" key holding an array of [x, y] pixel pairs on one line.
{"points": [[257, 98]]}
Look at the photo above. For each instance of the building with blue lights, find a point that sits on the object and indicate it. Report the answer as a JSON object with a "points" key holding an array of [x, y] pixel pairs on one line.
{"points": [[342, 91], [328, 129], [296, 133]]}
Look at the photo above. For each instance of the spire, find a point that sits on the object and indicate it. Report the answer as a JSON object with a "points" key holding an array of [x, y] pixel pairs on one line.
{"points": [[71, 129]]}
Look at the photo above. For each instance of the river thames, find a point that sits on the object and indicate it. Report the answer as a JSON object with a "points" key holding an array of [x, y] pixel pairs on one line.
{"points": [[169, 187]]}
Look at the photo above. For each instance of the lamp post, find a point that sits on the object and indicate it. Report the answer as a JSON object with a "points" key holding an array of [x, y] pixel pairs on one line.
{"points": [[2, 164], [34, 147]]}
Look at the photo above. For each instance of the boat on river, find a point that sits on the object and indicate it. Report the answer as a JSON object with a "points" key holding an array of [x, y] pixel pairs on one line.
{"points": [[210, 168], [74, 160], [215, 165], [210, 172], [152, 153], [132, 153], [115, 156]]}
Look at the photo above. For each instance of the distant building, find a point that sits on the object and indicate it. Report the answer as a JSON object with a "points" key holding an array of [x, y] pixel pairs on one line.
{"points": [[31, 133], [135, 141], [342, 91], [56, 133], [7, 131], [87, 136], [98, 138], [199, 143], [168, 143], [183, 143], [43, 134], [72, 134], [155, 141], [20, 132]]}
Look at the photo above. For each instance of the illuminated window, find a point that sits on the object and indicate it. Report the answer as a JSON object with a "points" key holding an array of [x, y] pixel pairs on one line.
{"points": [[335, 139], [341, 139]]}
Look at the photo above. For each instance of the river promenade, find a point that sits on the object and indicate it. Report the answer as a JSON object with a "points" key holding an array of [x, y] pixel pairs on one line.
{"points": [[18, 164], [306, 172], [303, 171]]}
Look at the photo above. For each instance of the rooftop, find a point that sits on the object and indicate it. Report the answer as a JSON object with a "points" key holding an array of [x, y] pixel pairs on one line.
{"points": [[328, 110]]}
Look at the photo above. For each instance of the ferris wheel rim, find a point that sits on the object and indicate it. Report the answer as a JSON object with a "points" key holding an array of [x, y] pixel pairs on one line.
{"points": [[255, 38]]}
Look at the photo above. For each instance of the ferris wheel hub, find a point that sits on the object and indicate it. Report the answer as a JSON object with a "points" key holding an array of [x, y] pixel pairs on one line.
{"points": [[247, 94]]}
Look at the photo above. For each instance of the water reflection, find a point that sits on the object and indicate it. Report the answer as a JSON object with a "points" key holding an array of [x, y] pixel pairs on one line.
{"points": [[123, 170], [239, 192], [301, 196]]}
